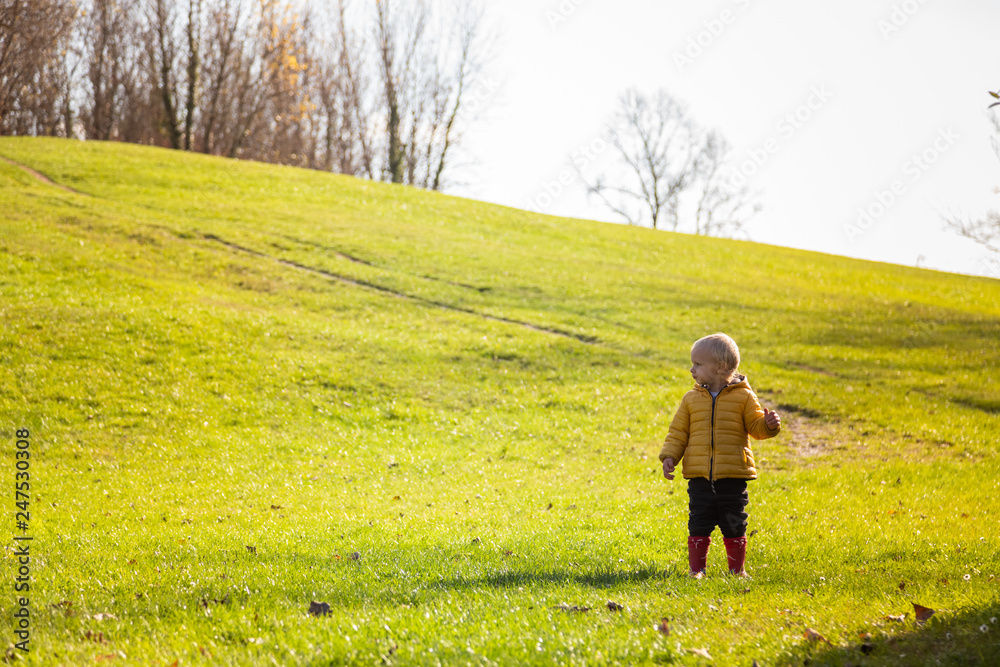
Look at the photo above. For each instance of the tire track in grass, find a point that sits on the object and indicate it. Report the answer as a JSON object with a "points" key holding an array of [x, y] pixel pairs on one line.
{"points": [[37, 175], [358, 260], [582, 338]]}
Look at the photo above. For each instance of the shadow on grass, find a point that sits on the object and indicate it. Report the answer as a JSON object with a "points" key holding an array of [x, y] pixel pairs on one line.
{"points": [[966, 637], [600, 578]]}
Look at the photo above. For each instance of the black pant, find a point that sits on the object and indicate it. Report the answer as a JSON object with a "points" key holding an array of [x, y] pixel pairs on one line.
{"points": [[722, 503]]}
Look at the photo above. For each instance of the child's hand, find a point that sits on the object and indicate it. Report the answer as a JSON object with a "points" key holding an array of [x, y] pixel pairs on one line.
{"points": [[772, 419], [668, 468]]}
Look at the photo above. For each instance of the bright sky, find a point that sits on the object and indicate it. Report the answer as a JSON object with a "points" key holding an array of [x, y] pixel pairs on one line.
{"points": [[888, 101]]}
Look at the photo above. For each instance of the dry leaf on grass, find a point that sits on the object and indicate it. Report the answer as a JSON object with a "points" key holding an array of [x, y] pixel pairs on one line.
{"points": [[702, 652], [814, 636], [922, 613], [573, 608], [664, 627], [614, 606]]}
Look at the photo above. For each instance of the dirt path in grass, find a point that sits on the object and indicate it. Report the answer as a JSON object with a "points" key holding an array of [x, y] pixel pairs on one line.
{"points": [[39, 175]]}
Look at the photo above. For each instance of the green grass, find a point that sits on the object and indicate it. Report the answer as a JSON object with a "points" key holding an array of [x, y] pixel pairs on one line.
{"points": [[238, 375]]}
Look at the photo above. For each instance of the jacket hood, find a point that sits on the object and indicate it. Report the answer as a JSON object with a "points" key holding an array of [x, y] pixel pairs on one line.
{"points": [[738, 379]]}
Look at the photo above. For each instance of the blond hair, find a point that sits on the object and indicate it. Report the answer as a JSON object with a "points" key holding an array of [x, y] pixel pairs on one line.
{"points": [[722, 348]]}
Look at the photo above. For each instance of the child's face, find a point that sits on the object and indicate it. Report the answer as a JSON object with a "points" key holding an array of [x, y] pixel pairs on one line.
{"points": [[706, 370]]}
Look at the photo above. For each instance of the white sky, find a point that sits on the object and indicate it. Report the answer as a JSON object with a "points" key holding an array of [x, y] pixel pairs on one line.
{"points": [[891, 95]]}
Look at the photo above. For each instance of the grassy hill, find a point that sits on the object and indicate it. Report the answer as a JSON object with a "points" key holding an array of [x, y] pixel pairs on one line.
{"points": [[251, 387]]}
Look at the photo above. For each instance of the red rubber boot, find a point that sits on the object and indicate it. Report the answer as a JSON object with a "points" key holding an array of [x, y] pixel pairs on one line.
{"points": [[736, 550], [698, 555]]}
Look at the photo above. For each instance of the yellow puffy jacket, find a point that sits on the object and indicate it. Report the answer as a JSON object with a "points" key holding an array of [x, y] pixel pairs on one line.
{"points": [[712, 436]]}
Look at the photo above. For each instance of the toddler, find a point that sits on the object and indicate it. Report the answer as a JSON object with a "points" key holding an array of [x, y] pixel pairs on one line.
{"points": [[711, 433]]}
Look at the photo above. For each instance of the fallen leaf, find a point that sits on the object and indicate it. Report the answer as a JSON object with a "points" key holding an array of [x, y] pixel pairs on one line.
{"points": [[614, 606], [109, 656], [276, 507], [94, 636], [902, 585], [395, 497], [67, 607], [814, 636], [251, 549], [355, 556], [319, 608], [703, 652], [205, 601], [664, 627], [573, 608], [922, 613]]}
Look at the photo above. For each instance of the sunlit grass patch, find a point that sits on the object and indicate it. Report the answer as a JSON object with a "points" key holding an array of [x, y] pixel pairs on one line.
{"points": [[441, 418]]}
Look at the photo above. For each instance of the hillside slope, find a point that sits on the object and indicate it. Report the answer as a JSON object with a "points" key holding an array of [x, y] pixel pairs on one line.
{"points": [[215, 355]]}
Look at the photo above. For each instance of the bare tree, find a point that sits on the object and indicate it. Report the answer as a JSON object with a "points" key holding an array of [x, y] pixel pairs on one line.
{"points": [[34, 71], [379, 91], [193, 34], [107, 66], [254, 75], [985, 230], [473, 47], [163, 21], [224, 31], [399, 35], [665, 169], [354, 122], [721, 208], [426, 69]]}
